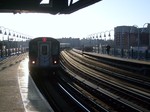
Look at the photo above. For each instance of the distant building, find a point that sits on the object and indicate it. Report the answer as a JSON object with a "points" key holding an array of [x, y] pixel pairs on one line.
{"points": [[121, 39], [73, 42], [127, 36]]}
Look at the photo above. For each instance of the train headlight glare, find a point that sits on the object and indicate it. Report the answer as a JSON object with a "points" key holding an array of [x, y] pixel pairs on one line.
{"points": [[33, 62], [55, 61]]}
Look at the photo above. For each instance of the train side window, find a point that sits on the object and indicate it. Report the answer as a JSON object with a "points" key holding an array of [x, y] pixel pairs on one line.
{"points": [[44, 50]]}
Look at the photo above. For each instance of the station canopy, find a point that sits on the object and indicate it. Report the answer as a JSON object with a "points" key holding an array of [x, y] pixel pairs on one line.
{"points": [[44, 6]]}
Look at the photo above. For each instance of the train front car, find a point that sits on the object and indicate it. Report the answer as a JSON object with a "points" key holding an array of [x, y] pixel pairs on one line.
{"points": [[44, 53]]}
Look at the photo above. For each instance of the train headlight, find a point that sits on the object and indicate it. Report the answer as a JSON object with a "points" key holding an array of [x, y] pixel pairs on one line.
{"points": [[33, 62], [55, 62]]}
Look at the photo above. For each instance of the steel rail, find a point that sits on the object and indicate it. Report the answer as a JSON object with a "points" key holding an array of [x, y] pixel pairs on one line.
{"points": [[79, 93], [142, 81], [139, 78], [106, 81]]}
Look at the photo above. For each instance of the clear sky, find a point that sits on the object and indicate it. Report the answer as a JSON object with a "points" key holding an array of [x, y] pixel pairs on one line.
{"points": [[100, 17]]}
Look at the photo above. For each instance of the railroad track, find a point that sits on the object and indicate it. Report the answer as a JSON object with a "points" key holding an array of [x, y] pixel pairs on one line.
{"points": [[131, 77], [108, 85], [57, 92]]}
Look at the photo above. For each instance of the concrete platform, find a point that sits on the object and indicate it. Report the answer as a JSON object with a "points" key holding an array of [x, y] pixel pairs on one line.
{"points": [[18, 92]]}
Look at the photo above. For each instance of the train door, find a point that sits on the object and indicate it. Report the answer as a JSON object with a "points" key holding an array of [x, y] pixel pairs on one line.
{"points": [[44, 54]]}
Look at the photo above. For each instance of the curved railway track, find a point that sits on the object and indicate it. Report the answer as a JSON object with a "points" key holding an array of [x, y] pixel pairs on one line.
{"points": [[110, 87], [130, 77], [60, 95]]}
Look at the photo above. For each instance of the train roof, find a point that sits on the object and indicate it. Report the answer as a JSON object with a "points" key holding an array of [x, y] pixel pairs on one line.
{"points": [[43, 38]]}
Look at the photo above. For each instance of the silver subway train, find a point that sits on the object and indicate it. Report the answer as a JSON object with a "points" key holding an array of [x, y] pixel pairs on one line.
{"points": [[44, 53]]}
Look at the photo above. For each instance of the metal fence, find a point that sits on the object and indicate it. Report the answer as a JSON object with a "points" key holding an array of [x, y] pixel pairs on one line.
{"points": [[125, 53]]}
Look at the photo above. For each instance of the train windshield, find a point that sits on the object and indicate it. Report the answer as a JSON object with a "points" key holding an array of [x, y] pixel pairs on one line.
{"points": [[44, 50]]}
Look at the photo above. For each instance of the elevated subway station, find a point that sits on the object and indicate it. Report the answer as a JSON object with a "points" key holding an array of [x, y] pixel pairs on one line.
{"points": [[15, 79], [39, 6]]}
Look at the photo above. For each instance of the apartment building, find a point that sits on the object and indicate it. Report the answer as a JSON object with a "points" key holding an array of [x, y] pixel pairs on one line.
{"points": [[132, 36]]}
